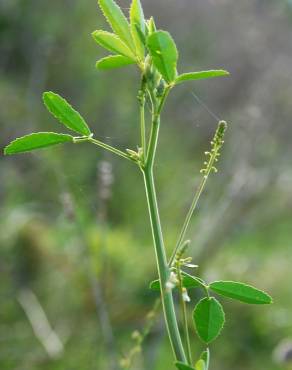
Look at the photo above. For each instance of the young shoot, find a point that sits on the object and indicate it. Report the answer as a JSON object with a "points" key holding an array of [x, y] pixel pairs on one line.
{"points": [[137, 42]]}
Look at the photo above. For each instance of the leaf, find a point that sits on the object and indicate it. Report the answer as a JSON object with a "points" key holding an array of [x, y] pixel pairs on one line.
{"points": [[164, 54], [206, 357], [188, 282], [241, 292], [200, 75], [117, 20], [155, 285], [65, 113], [200, 365], [34, 141], [151, 26], [137, 22], [112, 42], [182, 366], [209, 319], [113, 61]]}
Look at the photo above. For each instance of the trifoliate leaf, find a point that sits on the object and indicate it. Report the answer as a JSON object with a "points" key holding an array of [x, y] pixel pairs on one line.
{"points": [[200, 75], [118, 21], [164, 54], [34, 141], [65, 113], [112, 42], [137, 22], [209, 319], [113, 61], [241, 292]]}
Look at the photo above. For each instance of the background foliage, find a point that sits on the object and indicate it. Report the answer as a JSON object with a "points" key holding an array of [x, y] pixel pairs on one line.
{"points": [[74, 232]]}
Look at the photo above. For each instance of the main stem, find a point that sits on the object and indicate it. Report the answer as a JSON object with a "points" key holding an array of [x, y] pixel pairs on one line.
{"points": [[162, 265]]}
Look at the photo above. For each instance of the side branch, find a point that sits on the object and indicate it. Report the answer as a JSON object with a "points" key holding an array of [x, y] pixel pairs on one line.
{"points": [[104, 146]]}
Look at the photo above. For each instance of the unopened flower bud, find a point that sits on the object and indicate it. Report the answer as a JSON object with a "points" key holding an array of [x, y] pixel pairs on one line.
{"points": [[172, 281], [185, 296]]}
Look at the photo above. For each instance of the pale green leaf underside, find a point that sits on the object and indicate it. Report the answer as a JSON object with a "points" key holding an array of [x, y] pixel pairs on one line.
{"points": [[188, 282], [112, 42], [182, 366], [241, 292], [137, 23], [117, 21], [34, 141], [65, 113], [201, 75], [209, 319], [164, 54], [200, 365], [113, 61]]}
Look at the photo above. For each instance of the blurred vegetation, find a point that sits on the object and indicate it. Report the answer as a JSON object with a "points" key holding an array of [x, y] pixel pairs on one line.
{"points": [[75, 243]]}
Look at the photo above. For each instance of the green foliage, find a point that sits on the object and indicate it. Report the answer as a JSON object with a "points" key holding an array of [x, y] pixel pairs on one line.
{"points": [[65, 114], [183, 366], [164, 54], [138, 42], [112, 43], [138, 27], [118, 21], [188, 282], [209, 319], [191, 76], [151, 26], [241, 292], [200, 365], [113, 61], [36, 141], [206, 357], [203, 362]]}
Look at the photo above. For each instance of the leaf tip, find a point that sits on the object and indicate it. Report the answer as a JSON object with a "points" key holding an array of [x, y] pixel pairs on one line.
{"points": [[46, 95], [93, 33], [6, 150], [225, 73]]}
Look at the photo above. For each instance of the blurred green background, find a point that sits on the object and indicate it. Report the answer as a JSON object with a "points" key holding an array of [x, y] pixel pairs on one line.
{"points": [[76, 253]]}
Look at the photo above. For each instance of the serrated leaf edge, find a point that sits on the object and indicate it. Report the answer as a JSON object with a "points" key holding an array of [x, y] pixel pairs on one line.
{"points": [[129, 53], [33, 134], [132, 46], [169, 80], [180, 78], [113, 57], [73, 109]]}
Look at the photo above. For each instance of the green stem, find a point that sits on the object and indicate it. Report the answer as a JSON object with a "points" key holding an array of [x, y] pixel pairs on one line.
{"points": [[142, 100], [143, 132], [184, 315], [153, 141], [188, 218], [109, 148], [191, 210], [163, 270]]}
